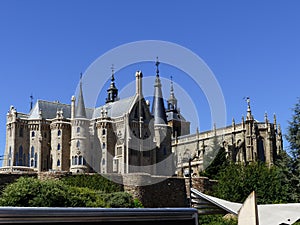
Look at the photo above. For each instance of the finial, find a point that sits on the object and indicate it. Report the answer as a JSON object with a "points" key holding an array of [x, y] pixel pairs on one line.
{"points": [[112, 73], [157, 64], [31, 101], [248, 104], [172, 88], [266, 117]]}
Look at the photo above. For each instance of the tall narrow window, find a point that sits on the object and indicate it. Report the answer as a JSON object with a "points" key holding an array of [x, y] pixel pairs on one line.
{"points": [[58, 147], [32, 152], [78, 144], [80, 160], [78, 129], [76, 163], [9, 163], [9, 152], [58, 133], [32, 134], [20, 156], [35, 160], [103, 132], [58, 162]]}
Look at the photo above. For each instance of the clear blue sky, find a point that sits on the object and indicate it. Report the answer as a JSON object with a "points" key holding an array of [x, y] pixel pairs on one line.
{"points": [[252, 47]]}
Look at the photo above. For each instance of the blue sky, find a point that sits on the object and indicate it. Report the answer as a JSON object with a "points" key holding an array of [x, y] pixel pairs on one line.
{"points": [[252, 47]]}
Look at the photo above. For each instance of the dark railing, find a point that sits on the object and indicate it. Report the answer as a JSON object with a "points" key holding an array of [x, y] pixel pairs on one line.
{"points": [[102, 216]]}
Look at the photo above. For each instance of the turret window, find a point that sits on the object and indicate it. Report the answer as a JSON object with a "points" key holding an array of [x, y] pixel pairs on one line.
{"points": [[76, 160], [78, 130], [9, 152], [32, 134], [78, 144], [103, 145], [58, 133], [58, 147], [103, 132], [80, 160], [58, 162]]}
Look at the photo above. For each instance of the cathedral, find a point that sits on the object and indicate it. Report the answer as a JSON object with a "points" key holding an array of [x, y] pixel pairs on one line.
{"points": [[127, 136]]}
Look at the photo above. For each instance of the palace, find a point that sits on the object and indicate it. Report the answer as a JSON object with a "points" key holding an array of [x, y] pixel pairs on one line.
{"points": [[125, 136]]}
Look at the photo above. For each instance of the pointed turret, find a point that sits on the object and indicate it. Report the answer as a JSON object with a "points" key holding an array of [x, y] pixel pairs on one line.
{"points": [[80, 109], [112, 91], [158, 108], [172, 101]]}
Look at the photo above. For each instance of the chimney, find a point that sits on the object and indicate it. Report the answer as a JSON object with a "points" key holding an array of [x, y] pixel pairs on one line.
{"points": [[138, 78]]}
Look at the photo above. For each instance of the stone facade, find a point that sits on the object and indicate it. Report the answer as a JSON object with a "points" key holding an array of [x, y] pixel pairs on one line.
{"points": [[125, 136], [122, 136], [246, 142]]}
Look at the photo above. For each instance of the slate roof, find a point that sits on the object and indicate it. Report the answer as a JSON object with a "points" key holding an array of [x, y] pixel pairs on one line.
{"points": [[115, 109], [49, 109], [173, 115]]}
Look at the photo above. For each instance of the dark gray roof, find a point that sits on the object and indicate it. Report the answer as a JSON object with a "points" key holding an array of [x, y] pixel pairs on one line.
{"points": [[115, 109], [158, 108]]}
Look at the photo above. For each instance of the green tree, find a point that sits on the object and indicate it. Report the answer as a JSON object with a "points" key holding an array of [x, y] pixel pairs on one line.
{"points": [[293, 137], [293, 132], [236, 182], [31, 192]]}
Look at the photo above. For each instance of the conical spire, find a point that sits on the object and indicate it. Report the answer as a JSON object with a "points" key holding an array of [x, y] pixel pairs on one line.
{"points": [[112, 91], [158, 108], [80, 109], [172, 101]]}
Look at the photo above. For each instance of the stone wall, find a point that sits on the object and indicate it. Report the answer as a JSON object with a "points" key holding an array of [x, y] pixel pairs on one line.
{"points": [[152, 191], [161, 191]]}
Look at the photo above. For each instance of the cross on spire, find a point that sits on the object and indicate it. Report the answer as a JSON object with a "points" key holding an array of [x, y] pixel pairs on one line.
{"points": [[112, 72], [157, 64]]}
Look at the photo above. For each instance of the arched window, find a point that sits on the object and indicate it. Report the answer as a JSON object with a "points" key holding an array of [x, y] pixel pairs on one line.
{"points": [[78, 144], [58, 133], [32, 134], [78, 129], [103, 161], [20, 156], [103, 132], [76, 163], [35, 160], [73, 160], [80, 160], [9, 152], [9, 163], [17, 159], [32, 152], [21, 150], [31, 163], [58, 147], [103, 145], [58, 162]]}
